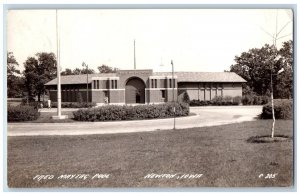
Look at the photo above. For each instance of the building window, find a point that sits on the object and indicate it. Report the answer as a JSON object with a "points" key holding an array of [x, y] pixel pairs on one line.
{"points": [[98, 84], [114, 84], [232, 85], [163, 94], [154, 83], [171, 83], [94, 84]]}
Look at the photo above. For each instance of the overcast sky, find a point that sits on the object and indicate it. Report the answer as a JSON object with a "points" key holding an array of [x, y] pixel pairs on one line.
{"points": [[195, 39]]}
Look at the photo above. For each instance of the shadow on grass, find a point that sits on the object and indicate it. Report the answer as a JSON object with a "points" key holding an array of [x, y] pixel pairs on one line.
{"points": [[268, 139]]}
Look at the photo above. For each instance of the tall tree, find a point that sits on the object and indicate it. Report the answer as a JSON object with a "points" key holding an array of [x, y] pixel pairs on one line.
{"points": [[106, 69], [14, 78], [284, 86], [257, 65], [66, 72], [89, 71], [78, 71], [38, 71]]}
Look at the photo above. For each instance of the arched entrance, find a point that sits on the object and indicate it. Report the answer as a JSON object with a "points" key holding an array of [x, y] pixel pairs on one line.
{"points": [[135, 91]]}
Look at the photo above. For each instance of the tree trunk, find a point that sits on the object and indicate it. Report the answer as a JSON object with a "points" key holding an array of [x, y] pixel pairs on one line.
{"points": [[273, 115]]}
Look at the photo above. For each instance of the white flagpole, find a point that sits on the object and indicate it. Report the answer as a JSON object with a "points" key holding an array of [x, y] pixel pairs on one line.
{"points": [[59, 116]]}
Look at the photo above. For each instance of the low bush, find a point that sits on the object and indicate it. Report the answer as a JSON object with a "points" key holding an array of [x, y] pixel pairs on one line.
{"points": [[219, 100], [63, 105], [237, 100], [21, 113], [186, 98], [247, 100], [255, 100], [115, 112], [73, 105], [283, 109]]}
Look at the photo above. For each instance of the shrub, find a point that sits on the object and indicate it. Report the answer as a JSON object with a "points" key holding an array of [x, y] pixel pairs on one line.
{"points": [[227, 99], [218, 100], [237, 100], [256, 100], [79, 97], [247, 100], [186, 97], [22, 113], [283, 109], [115, 112], [253, 99], [265, 99], [74, 105], [34, 104]]}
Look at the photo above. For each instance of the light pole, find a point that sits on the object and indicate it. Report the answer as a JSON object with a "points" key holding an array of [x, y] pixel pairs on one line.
{"points": [[87, 81], [173, 92]]}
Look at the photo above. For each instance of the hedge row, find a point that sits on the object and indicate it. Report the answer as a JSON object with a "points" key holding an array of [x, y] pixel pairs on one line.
{"points": [[74, 105], [219, 100], [63, 105], [228, 100], [283, 109], [21, 113], [115, 112], [255, 100]]}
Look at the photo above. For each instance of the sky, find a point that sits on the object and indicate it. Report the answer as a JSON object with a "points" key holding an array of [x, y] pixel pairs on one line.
{"points": [[204, 40]]}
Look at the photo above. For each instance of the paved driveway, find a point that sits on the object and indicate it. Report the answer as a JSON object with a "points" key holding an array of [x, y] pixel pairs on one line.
{"points": [[203, 116]]}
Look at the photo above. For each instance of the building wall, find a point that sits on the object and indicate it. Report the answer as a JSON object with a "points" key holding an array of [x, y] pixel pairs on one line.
{"points": [[208, 91], [117, 96], [155, 96], [98, 96], [70, 93], [158, 89]]}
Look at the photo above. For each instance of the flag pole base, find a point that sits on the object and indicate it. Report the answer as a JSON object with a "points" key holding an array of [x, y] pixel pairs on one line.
{"points": [[60, 117]]}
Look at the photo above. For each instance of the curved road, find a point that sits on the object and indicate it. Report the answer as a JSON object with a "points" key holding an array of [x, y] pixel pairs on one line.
{"points": [[205, 116]]}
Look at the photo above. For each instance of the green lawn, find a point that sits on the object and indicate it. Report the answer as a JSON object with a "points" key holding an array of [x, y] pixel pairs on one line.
{"points": [[220, 153]]}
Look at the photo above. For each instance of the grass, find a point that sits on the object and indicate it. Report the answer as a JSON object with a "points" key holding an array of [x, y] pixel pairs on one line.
{"points": [[221, 153]]}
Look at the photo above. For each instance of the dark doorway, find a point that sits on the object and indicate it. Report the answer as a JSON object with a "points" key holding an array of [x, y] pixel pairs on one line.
{"points": [[135, 91]]}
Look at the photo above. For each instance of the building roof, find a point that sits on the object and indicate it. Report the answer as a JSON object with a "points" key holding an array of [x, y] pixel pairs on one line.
{"points": [[181, 77], [78, 79], [204, 76]]}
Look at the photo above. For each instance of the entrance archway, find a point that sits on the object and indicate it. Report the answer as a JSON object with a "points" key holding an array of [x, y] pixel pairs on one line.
{"points": [[135, 90]]}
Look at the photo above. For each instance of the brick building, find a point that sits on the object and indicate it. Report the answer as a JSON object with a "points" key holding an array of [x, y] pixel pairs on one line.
{"points": [[145, 86]]}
